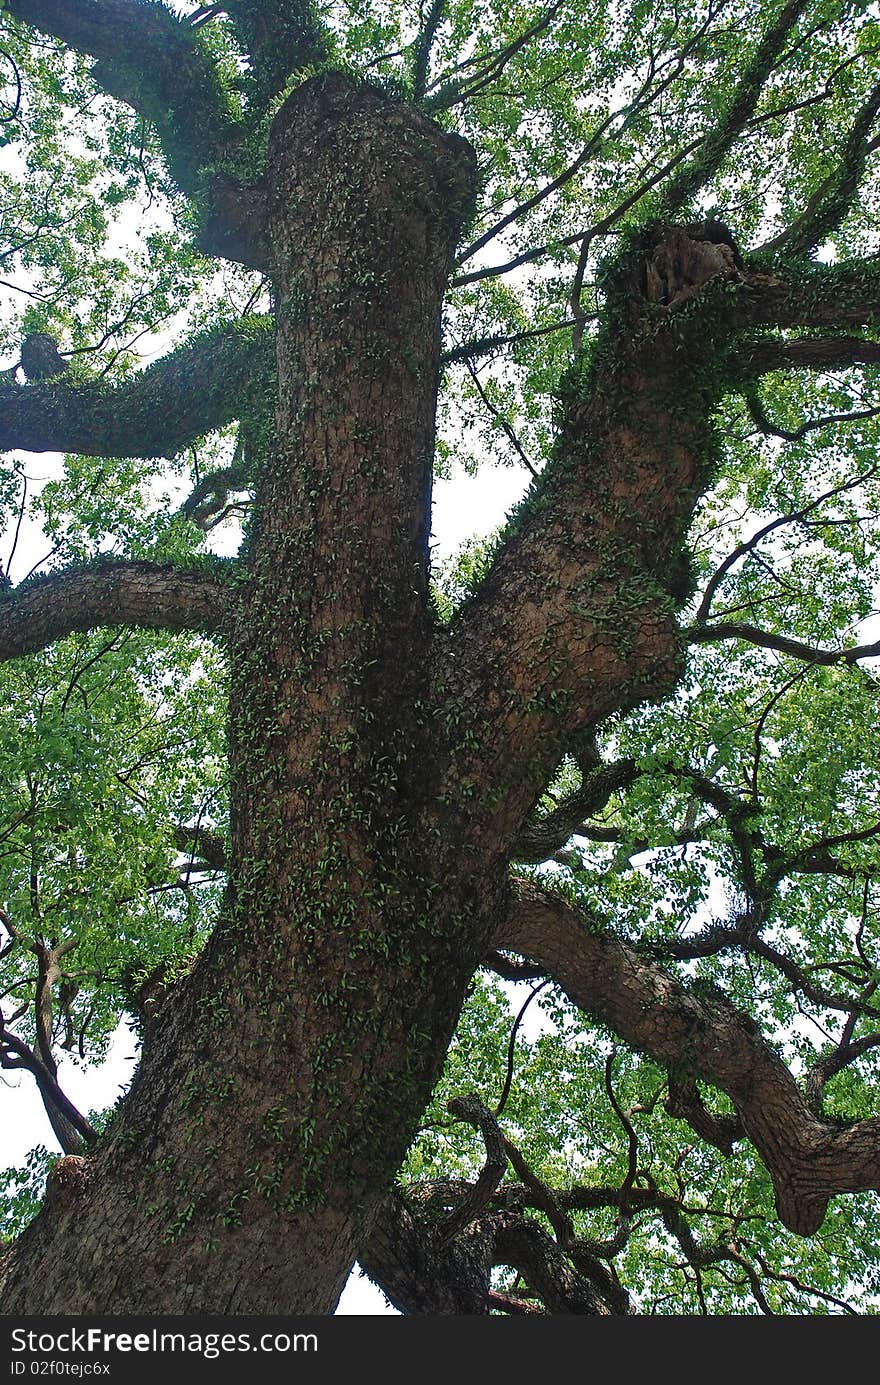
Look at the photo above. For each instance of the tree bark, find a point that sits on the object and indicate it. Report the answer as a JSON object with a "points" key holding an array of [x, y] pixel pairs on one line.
{"points": [[282, 1080]]}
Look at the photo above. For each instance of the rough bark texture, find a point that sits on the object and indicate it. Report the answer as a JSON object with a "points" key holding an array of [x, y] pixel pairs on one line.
{"points": [[202, 386], [112, 592], [277, 1094], [381, 771]]}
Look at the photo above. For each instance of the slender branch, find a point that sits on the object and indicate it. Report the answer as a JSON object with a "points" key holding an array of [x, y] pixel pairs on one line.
{"points": [[501, 419], [739, 111], [759, 416], [484, 346], [471, 1109], [749, 545], [281, 37], [541, 837], [765, 639], [814, 353], [743, 936], [594, 143], [455, 92], [848, 1051], [856, 834], [511, 1046]]}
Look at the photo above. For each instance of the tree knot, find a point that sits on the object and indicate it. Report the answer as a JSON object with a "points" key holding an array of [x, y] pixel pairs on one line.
{"points": [[684, 258], [67, 1180]]}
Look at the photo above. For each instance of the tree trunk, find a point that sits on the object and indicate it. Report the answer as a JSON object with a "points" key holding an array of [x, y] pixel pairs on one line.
{"points": [[374, 795], [281, 1081]]}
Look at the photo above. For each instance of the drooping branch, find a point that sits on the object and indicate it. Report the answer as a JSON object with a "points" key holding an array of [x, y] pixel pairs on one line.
{"points": [[157, 596], [71, 1127], [154, 62], [749, 545], [809, 1160], [189, 392]]}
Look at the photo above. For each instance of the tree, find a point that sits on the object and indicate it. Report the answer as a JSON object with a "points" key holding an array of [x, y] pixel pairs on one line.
{"points": [[624, 750]]}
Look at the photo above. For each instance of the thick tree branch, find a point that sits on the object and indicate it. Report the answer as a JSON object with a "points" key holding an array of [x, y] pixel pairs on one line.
{"points": [[522, 1243], [191, 391], [685, 1102], [153, 62], [704, 1038], [282, 37], [205, 848], [421, 1275], [574, 618], [811, 353], [471, 1109], [424, 44], [111, 592], [544, 633]]}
